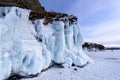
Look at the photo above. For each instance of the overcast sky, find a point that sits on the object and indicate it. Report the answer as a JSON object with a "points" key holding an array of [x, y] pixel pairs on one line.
{"points": [[99, 19]]}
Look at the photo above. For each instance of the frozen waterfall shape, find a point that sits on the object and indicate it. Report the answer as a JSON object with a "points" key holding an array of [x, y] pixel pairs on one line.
{"points": [[23, 54], [5, 63]]}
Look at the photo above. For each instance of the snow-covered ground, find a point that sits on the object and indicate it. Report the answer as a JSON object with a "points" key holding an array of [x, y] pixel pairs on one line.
{"points": [[106, 67]]}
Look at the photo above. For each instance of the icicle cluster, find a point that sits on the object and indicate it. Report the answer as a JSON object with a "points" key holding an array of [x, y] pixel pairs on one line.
{"points": [[27, 48]]}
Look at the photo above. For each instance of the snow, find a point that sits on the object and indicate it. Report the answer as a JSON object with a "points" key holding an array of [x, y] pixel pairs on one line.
{"points": [[106, 67], [21, 53]]}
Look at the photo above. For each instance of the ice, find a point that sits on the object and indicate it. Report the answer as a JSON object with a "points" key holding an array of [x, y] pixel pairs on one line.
{"points": [[5, 64], [68, 62], [27, 48], [26, 56], [59, 42], [69, 36], [106, 67], [5, 67]]}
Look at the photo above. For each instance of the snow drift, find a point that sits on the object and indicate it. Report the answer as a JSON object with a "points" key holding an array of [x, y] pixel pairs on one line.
{"points": [[27, 48]]}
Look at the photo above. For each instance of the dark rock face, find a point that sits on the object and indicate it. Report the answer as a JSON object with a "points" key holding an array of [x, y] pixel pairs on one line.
{"points": [[33, 5], [93, 46], [49, 17]]}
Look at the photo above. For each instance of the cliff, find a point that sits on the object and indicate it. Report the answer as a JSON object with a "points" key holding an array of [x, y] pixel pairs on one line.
{"points": [[28, 46]]}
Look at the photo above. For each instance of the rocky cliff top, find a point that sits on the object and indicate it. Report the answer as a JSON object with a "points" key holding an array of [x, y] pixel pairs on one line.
{"points": [[53, 16], [33, 5], [38, 12]]}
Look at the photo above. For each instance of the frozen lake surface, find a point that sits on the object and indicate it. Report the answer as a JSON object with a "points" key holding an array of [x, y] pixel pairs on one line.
{"points": [[106, 67]]}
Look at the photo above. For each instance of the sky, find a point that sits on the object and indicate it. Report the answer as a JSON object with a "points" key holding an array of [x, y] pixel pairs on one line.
{"points": [[99, 19]]}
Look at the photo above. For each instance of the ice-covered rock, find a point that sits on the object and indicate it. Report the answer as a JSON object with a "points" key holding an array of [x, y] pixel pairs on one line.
{"points": [[27, 48]]}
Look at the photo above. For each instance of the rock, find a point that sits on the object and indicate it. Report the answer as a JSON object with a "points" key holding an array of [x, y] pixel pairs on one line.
{"points": [[33, 5], [75, 69]]}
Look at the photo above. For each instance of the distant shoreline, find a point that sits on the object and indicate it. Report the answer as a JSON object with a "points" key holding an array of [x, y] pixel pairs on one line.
{"points": [[112, 48]]}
